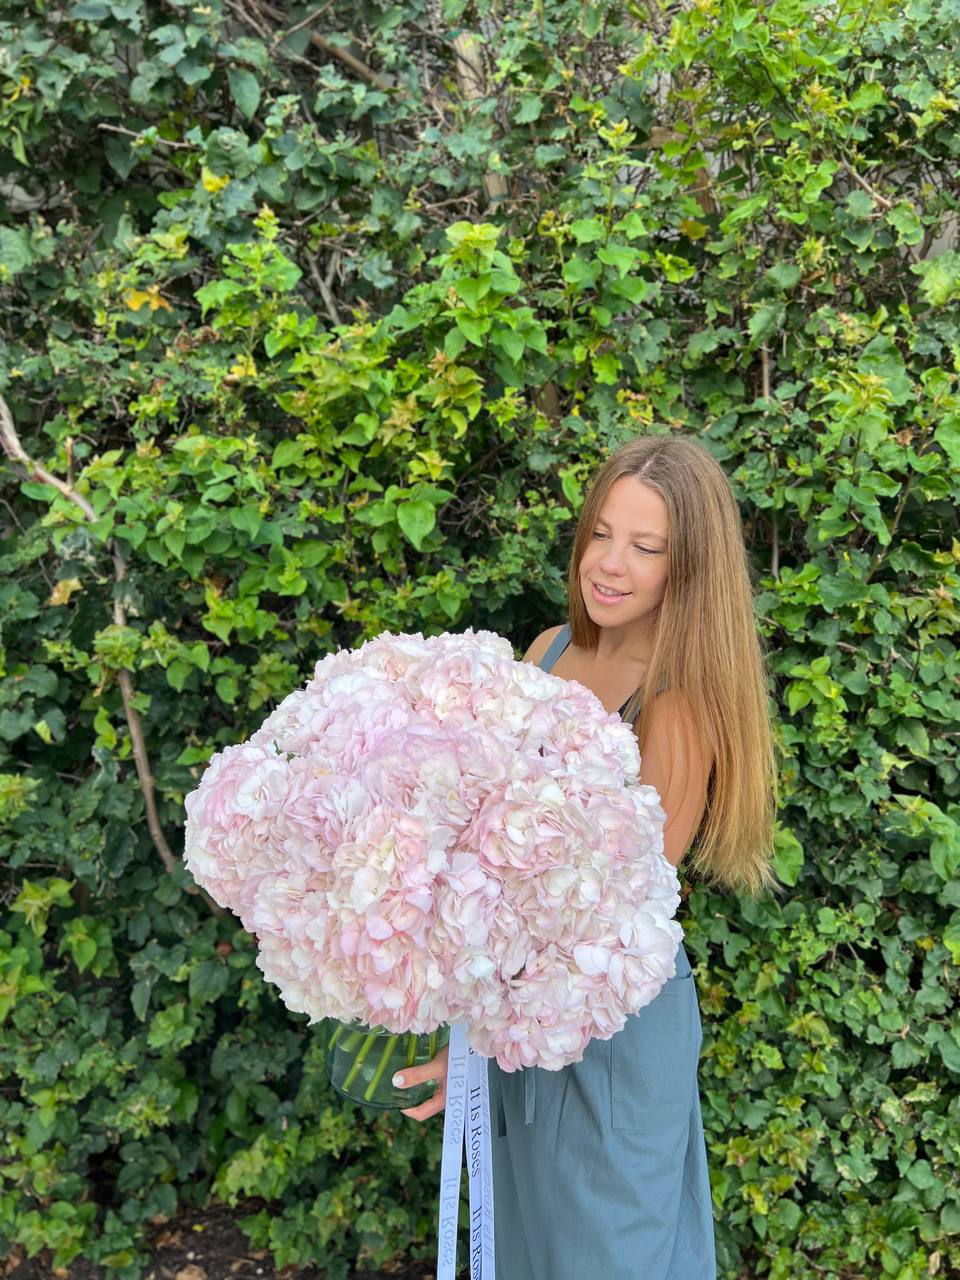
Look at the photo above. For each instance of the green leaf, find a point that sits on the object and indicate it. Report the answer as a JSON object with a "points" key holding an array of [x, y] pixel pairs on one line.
{"points": [[947, 435], [784, 275], [745, 210], [675, 268], [246, 519], [120, 155], [245, 90], [472, 289], [473, 328], [178, 673], [227, 691], [416, 518], [798, 696], [951, 940], [208, 981], [288, 453], [530, 107], [859, 203], [882, 358], [921, 1175], [606, 368], [576, 271], [765, 320], [948, 1043], [140, 996], [621, 256], [586, 230], [940, 278], [454, 343], [571, 488], [909, 227], [15, 252], [818, 180], [912, 734], [216, 293], [868, 95], [836, 591], [787, 855], [83, 950], [511, 343], [633, 288]]}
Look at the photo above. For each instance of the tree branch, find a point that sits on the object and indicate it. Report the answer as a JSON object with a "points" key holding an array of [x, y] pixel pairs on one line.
{"points": [[298, 26], [470, 78], [22, 461], [386, 83], [159, 142], [882, 201]]}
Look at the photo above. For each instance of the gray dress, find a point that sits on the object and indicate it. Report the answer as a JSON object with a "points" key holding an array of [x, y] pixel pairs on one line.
{"points": [[600, 1169]]}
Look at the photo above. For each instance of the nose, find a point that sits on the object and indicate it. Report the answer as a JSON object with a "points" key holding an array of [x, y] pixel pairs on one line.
{"points": [[612, 561]]}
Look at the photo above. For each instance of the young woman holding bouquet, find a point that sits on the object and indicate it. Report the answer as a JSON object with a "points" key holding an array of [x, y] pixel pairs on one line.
{"points": [[600, 1168]]}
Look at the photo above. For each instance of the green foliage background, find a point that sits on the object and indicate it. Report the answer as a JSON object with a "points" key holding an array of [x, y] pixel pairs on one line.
{"points": [[329, 330]]}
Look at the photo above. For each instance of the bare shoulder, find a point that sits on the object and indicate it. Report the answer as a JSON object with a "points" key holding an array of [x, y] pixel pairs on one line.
{"points": [[541, 644]]}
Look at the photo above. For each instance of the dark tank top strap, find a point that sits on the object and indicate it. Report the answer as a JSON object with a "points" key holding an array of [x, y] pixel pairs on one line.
{"points": [[556, 647]]}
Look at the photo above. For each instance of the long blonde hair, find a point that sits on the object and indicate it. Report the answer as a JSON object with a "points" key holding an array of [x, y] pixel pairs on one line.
{"points": [[706, 643]]}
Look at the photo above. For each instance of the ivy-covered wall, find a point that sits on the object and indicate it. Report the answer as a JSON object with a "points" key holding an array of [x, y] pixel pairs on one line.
{"points": [[316, 320]]}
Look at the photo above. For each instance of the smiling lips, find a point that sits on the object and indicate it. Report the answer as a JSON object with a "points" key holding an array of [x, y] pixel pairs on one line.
{"points": [[599, 594]]}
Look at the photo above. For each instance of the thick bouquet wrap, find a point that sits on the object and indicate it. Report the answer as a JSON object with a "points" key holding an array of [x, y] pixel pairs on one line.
{"points": [[433, 834]]}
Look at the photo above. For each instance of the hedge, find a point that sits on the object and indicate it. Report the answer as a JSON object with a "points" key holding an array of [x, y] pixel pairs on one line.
{"points": [[316, 321]]}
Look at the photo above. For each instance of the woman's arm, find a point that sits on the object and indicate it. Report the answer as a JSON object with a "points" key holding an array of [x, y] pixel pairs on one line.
{"points": [[674, 761]]}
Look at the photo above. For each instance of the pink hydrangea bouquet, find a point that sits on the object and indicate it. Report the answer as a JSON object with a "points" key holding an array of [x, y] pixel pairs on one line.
{"points": [[431, 832]]}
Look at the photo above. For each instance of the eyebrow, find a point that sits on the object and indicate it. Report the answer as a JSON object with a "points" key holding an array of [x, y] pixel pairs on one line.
{"points": [[636, 533]]}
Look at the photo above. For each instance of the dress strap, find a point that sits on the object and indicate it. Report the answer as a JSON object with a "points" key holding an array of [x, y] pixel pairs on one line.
{"points": [[556, 647]]}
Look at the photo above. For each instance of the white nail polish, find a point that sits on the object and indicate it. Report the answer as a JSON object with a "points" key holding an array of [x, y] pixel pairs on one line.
{"points": [[398, 1081]]}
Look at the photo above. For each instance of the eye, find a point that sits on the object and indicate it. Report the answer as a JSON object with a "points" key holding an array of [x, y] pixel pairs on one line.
{"points": [[647, 551]]}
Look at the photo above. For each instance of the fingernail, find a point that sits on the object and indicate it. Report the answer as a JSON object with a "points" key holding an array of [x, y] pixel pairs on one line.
{"points": [[398, 1081]]}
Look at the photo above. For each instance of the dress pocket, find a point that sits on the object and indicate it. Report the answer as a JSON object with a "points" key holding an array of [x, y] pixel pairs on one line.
{"points": [[653, 1060]]}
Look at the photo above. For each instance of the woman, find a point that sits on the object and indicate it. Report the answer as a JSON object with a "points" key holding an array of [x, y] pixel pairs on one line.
{"points": [[600, 1169]]}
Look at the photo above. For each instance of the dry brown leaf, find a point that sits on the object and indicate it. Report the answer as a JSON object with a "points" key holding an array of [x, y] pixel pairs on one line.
{"points": [[191, 1272]]}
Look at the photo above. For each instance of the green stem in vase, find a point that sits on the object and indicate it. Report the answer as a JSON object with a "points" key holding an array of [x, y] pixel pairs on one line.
{"points": [[336, 1035], [351, 1042], [381, 1067], [411, 1051], [358, 1060], [433, 1045]]}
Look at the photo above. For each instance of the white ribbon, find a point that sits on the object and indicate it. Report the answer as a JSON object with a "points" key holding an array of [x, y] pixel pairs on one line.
{"points": [[466, 1122], [479, 1168]]}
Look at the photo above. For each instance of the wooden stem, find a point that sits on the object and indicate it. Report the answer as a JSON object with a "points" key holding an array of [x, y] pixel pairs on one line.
{"points": [[22, 461]]}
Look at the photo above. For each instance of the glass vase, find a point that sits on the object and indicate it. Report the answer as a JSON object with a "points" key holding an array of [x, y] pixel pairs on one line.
{"points": [[362, 1061]]}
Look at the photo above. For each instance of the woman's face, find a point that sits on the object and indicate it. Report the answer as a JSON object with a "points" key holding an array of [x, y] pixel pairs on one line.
{"points": [[627, 551]]}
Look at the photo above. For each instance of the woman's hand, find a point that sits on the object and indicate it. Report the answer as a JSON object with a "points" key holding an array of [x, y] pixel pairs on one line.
{"points": [[435, 1069]]}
